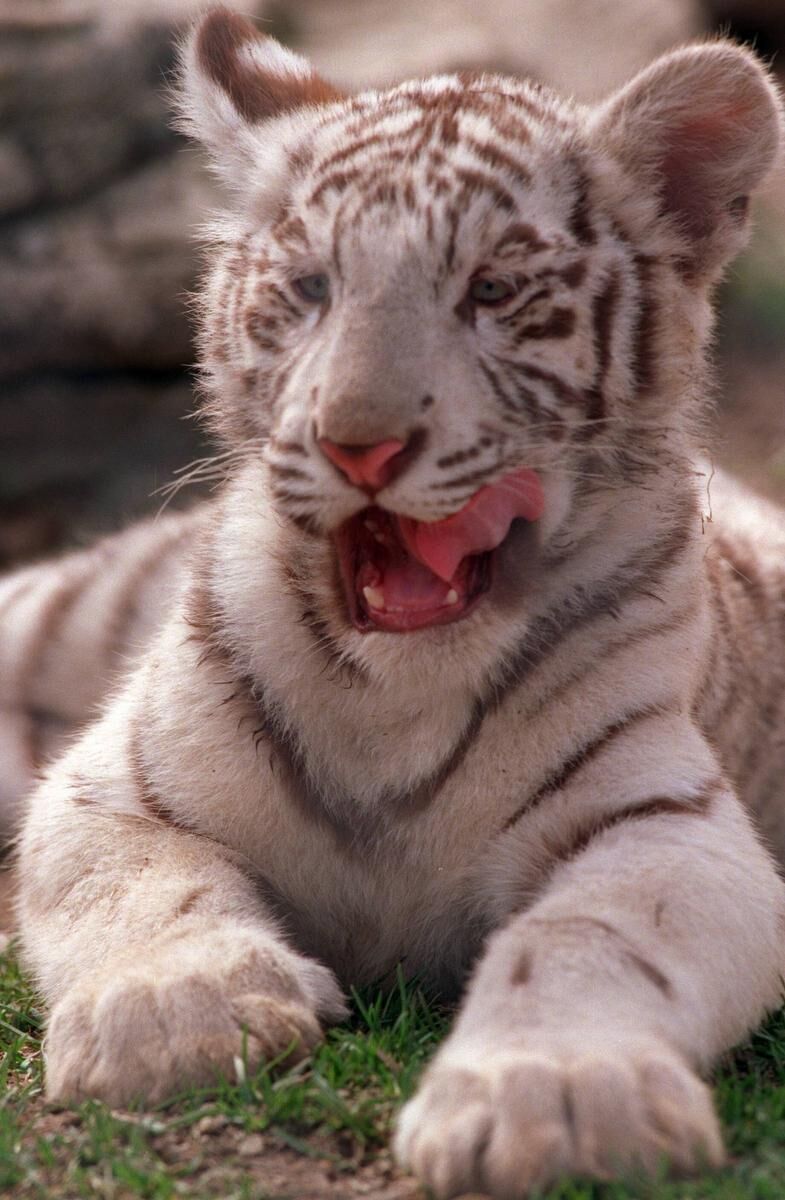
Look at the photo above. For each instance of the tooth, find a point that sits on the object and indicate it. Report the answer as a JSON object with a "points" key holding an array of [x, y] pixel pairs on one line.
{"points": [[371, 525], [451, 597], [374, 597]]}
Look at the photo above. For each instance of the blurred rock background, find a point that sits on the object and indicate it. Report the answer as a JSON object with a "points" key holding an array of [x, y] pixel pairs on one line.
{"points": [[99, 200]]}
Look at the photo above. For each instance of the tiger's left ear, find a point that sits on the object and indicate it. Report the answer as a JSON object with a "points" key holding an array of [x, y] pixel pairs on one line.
{"points": [[234, 80], [702, 126]]}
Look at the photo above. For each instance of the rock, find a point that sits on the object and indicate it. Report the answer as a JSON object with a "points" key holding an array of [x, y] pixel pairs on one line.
{"points": [[209, 1126], [96, 244], [79, 110], [98, 205], [102, 284], [251, 1145]]}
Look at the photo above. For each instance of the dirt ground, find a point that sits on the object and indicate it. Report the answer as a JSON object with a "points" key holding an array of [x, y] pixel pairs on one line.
{"points": [[7, 884], [218, 1159]]}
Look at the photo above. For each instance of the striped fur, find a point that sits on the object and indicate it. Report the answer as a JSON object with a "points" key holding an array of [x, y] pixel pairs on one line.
{"points": [[71, 629], [274, 803]]}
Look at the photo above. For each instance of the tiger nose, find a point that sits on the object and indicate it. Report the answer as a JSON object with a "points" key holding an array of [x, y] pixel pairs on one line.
{"points": [[368, 467]]}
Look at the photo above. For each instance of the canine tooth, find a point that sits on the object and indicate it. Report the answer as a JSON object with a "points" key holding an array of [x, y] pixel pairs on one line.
{"points": [[374, 597], [451, 597]]}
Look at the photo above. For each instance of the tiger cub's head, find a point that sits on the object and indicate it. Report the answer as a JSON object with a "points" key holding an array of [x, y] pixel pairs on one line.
{"points": [[452, 312]]}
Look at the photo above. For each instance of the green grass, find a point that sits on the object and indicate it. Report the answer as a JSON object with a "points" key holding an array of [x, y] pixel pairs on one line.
{"points": [[336, 1107]]}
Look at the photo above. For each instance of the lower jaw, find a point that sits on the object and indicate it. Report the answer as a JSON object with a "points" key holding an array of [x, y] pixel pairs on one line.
{"points": [[411, 620], [365, 621]]}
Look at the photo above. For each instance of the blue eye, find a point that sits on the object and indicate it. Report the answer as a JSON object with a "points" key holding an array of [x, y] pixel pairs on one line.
{"points": [[315, 288], [484, 290]]}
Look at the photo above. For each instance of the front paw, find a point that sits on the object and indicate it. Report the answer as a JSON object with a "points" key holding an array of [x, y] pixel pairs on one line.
{"points": [[510, 1123], [184, 1016]]}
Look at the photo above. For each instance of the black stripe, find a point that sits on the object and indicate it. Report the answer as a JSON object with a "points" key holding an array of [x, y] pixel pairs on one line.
{"points": [[630, 952], [644, 336], [542, 294], [146, 794], [453, 221], [521, 234], [471, 477], [426, 792], [356, 147], [560, 323], [559, 778], [579, 222], [125, 608], [561, 390], [473, 181], [603, 311], [581, 606], [345, 669], [307, 523], [356, 827], [285, 472], [497, 158], [48, 624], [608, 650], [695, 805], [529, 404]]}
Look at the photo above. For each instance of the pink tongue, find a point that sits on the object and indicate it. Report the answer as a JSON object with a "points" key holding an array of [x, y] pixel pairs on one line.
{"points": [[482, 524], [412, 586]]}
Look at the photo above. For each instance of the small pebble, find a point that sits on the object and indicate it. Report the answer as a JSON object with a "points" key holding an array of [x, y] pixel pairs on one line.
{"points": [[212, 1124], [251, 1145]]}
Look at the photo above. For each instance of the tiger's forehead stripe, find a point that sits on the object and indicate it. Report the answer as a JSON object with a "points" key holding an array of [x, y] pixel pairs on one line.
{"points": [[416, 122], [443, 144]]}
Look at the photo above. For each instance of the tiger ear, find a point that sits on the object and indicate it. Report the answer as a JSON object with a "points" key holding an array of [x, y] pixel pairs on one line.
{"points": [[233, 79], [703, 127]]}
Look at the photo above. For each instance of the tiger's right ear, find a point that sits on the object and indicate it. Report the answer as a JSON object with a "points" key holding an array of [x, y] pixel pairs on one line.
{"points": [[233, 80]]}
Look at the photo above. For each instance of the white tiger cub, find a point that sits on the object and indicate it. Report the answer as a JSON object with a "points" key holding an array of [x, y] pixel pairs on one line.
{"points": [[458, 675]]}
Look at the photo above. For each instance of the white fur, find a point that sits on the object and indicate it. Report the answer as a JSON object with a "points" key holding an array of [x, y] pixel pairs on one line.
{"points": [[585, 847]]}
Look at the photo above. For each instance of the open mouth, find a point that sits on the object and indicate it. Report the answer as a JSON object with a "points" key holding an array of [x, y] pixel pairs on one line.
{"points": [[400, 574]]}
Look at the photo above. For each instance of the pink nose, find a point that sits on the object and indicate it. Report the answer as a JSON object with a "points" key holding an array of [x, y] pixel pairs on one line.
{"points": [[368, 467]]}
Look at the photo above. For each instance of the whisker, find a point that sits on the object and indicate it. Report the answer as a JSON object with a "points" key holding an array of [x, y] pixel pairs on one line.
{"points": [[211, 469]]}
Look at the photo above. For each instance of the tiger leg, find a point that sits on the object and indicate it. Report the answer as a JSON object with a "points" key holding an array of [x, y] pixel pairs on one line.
{"points": [[159, 961], [655, 947]]}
